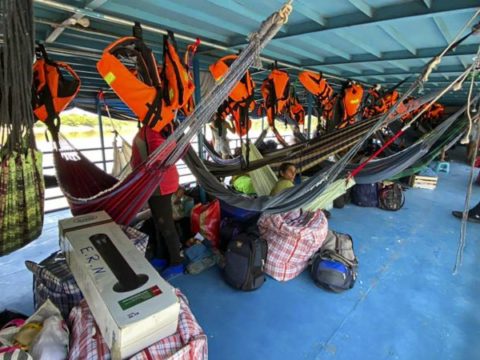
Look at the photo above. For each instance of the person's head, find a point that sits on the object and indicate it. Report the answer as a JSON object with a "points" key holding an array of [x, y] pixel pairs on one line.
{"points": [[287, 171]]}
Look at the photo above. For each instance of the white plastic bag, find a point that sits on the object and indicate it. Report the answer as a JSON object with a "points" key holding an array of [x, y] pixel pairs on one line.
{"points": [[52, 342]]}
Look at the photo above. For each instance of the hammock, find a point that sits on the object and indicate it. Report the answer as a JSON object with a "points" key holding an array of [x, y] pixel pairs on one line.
{"points": [[313, 152], [21, 180], [121, 157], [311, 189], [122, 199]]}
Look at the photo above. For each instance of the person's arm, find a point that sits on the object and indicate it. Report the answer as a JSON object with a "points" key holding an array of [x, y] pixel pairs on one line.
{"points": [[230, 126]]}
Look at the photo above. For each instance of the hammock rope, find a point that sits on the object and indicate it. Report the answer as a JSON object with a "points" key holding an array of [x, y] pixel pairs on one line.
{"points": [[21, 180], [472, 122], [459, 79]]}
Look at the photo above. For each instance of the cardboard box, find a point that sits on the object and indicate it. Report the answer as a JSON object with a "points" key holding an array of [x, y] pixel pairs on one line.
{"points": [[423, 182], [132, 305]]}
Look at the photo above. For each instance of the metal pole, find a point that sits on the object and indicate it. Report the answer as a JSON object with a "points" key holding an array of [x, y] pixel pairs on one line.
{"points": [[309, 110], [102, 139], [198, 98]]}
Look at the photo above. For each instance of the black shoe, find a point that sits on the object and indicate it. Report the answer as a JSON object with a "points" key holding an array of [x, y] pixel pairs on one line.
{"points": [[470, 216]]}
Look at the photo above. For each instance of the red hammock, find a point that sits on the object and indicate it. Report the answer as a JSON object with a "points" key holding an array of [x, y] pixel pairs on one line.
{"points": [[88, 188]]}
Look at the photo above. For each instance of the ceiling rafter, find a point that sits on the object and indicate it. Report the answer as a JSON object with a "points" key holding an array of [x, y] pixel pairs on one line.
{"points": [[382, 14], [72, 20], [330, 48], [443, 29], [398, 37], [363, 7], [240, 9], [424, 55], [358, 42], [308, 12], [399, 65], [428, 3]]}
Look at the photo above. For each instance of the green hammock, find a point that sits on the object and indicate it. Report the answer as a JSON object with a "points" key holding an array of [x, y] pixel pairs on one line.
{"points": [[21, 180], [264, 180], [21, 199]]}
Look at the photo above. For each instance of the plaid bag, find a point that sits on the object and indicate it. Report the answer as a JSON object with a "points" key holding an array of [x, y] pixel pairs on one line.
{"points": [[52, 278], [293, 237], [189, 342]]}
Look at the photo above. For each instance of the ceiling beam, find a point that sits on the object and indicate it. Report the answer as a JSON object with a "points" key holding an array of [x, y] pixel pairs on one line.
{"points": [[358, 42], [399, 65], [302, 8], [330, 48], [363, 7], [428, 3], [237, 8], [424, 53], [441, 70], [398, 37], [72, 20], [397, 11], [443, 29]]}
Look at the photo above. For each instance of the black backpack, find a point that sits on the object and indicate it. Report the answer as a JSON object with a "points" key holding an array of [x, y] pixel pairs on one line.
{"points": [[244, 261], [334, 266], [391, 197], [365, 195]]}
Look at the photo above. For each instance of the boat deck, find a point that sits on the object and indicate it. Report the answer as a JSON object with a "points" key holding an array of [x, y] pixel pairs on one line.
{"points": [[406, 303]]}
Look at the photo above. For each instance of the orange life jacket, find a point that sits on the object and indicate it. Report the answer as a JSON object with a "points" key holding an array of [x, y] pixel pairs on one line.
{"points": [[316, 84], [352, 102], [240, 100], [152, 92], [189, 106], [142, 93], [243, 90], [275, 92], [324, 95], [295, 109], [52, 92], [176, 79]]}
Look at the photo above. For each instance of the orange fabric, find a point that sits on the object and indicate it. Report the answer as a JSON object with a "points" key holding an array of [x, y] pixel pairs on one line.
{"points": [[48, 74], [240, 100], [275, 92], [179, 82], [296, 110], [136, 94], [243, 90], [318, 86], [352, 101]]}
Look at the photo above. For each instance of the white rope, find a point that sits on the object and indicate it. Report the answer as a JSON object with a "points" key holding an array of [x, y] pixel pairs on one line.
{"points": [[437, 59], [463, 228]]}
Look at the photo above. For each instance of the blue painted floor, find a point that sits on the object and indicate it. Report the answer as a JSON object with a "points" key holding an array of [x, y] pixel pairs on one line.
{"points": [[406, 303]]}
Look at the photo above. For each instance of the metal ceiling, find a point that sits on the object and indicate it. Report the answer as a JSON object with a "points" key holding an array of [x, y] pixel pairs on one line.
{"points": [[372, 41]]}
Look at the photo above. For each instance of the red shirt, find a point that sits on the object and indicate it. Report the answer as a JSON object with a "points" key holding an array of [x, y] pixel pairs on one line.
{"points": [[144, 143]]}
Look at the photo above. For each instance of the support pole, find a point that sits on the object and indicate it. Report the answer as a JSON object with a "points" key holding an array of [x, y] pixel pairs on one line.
{"points": [[102, 139], [309, 110], [198, 97]]}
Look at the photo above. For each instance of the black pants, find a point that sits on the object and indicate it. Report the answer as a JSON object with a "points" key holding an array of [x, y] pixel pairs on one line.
{"points": [[475, 210], [165, 231]]}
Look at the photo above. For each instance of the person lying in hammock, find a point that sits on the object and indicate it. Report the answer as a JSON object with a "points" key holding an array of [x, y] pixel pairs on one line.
{"points": [[286, 176], [160, 203], [286, 179]]}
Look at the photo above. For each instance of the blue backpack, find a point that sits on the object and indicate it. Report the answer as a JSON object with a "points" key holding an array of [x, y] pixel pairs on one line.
{"points": [[334, 266]]}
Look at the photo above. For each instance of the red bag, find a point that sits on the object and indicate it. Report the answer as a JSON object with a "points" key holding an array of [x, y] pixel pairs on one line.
{"points": [[206, 220]]}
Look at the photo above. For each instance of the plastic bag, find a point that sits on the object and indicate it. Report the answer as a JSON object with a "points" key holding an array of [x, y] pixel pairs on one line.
{"points": [[52, 342], [206, 220]]}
